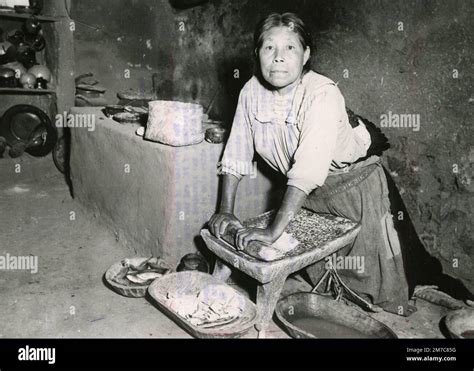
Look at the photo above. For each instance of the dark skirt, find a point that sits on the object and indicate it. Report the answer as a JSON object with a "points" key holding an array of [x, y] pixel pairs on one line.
{"points": [[362, 195]]}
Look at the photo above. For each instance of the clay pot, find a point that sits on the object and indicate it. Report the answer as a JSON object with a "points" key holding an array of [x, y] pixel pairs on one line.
{"points": [[26, 55], [36, 6], [460, 323], [16, 37], [4, 45], [7, 73], [32, 26], [38, 43], [193, 262], [7, 78], [215, 135], [41, 72], [113, 109], [28, 81], [7, 52], [19, 69], [41, 83]]}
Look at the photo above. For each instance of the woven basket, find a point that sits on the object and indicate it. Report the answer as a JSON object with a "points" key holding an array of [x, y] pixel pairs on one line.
{"points": [[175, 123], [192, 282], [129, 291]]}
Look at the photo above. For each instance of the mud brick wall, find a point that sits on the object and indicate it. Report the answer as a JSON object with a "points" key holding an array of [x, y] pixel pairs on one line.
{"points": [[155, 198]]}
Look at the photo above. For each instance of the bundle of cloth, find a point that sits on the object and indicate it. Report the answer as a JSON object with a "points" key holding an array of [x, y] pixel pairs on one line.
{"points": [[379, 142]]}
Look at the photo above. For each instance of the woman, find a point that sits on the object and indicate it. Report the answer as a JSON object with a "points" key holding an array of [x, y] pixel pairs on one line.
{"points": [[296, 120]]}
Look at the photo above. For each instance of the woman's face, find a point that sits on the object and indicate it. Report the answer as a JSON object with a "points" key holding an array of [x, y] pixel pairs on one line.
{"points": [[282, 57]]}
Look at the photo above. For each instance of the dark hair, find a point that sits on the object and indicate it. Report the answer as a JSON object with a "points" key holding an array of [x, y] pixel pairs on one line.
{"points": [[290, 20]]}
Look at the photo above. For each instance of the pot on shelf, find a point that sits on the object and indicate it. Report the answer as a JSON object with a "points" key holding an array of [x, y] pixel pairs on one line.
{"points": [[7, 52], [19, 69], [7, 78], [193, 262], [41, 72], [28, 81], [36, 6]]}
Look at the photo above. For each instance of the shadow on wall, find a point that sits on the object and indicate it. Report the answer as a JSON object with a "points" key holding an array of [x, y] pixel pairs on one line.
{"points": [[421, 267], [67, 158], [229, 86]]}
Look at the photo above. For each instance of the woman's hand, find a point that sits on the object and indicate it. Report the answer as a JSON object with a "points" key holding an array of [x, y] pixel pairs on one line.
{"points": [[219, 222], [245, 235], [291, 204]]}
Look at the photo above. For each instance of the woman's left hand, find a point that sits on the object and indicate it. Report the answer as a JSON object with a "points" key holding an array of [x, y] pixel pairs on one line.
{"points": [[245, 235]]}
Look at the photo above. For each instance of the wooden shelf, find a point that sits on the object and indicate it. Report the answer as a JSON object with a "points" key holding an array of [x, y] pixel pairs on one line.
{"points": [[44, 18], [58, 56], [27, 91]]}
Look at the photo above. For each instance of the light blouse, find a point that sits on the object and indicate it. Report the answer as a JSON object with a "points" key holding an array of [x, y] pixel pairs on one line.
{"points": [[304, 134]]}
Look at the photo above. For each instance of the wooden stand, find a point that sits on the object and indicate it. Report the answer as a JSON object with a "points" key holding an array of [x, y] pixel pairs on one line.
{"points": [[270, 275]]}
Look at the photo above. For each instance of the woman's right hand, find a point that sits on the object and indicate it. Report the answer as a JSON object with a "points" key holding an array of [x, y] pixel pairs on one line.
{"points": [[219, 222]]}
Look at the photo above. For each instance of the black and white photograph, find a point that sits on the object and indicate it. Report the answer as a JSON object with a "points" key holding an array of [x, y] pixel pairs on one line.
{"points": [[248, 170]]}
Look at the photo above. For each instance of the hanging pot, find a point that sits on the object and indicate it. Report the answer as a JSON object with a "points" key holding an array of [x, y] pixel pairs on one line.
{"points": [[26, 56], [36, 42], [31, 26], [16, 37]]}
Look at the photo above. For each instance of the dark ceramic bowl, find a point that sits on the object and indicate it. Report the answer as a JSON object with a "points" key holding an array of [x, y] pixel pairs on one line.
{"points": [[215, 135], [41, 83], [113, 109], [193, 262], [127, 118], [7, 78], [460, 324], [326, 311]]}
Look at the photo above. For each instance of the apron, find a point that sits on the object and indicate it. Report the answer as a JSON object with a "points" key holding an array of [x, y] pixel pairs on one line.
{"points": [[362, 196]]}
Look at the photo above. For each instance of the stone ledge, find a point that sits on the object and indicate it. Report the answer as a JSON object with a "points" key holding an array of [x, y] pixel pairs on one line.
{"points": [[167, 196]]}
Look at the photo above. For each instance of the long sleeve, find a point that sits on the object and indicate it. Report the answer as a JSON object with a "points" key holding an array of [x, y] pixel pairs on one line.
{"points": [[318, 138], [239, 151]]}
